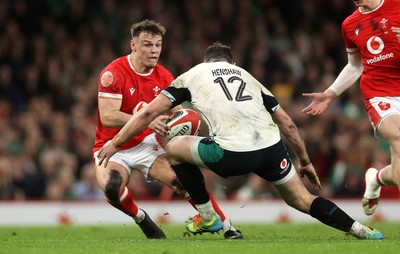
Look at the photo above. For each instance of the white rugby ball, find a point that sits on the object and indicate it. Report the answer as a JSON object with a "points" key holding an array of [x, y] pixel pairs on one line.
{"points": [[183, 122]]}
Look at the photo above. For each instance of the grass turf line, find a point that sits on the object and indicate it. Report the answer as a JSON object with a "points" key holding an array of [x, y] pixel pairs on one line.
{"points": [[304, 238]]}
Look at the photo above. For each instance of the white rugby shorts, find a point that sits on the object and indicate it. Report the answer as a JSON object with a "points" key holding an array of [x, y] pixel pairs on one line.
{"points": [[379, 108], [139, 157]]}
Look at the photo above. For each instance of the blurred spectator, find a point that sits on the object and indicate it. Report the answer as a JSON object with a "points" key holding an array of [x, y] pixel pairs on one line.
{"points": [[255, 188], [86, 187], [6, 179]]}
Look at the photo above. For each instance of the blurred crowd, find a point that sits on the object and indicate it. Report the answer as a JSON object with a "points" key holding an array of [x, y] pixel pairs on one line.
{"points": [[51, 53]]}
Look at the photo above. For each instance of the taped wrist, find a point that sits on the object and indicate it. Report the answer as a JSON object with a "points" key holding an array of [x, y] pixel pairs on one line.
{"points": [[117, 142]]}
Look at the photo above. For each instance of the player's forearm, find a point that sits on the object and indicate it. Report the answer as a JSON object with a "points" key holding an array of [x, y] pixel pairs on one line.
{"points": [[292, 135], [296, 142], [136, 124], [139, 121]]}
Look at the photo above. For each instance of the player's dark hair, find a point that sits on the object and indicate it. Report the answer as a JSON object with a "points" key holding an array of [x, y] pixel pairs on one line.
{"points": [[217, 52], [148, 26]]}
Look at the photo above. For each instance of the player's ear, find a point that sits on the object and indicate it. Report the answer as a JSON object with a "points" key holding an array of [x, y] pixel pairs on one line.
{"points": [[133, 45]]}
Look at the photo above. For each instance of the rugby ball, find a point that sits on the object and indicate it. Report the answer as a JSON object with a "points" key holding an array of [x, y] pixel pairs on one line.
{"points": [[183, 122]]}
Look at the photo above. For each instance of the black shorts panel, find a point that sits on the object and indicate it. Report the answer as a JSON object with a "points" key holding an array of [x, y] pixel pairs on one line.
{"points": [[272, 163]]}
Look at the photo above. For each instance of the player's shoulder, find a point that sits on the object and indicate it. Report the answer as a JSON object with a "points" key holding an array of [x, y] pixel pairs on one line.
{"points": [[164, 73], [222, 65], [161, 69], [391, 3], [196, 70], [119, 64], [353, 17], [113, 72]]}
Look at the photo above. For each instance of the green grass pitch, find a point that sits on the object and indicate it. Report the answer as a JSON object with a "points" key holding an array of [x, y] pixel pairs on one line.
{"points": [[304, 238]]}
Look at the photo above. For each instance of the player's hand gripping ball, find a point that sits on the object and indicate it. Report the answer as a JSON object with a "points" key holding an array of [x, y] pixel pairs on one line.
{"points": [[183, 122]]}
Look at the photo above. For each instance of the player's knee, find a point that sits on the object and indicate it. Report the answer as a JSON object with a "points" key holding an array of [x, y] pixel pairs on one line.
{"points": [[113, 186], [301, 201], [169, 149]]}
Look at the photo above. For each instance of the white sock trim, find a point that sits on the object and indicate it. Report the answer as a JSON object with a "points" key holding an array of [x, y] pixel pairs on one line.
{"points": [[372, 187], [227, 225], [139, 216], [124, 194], [206, 210], [358, 229]]}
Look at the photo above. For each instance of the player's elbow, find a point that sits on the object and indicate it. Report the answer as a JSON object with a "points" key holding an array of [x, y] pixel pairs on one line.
{"points": [[107, 122], [149, 115], [151, 111], [356, 69]]}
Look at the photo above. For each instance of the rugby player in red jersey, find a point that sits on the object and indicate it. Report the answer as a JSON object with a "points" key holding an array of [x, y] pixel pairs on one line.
{"points": [[372, 40], [126, 85]]}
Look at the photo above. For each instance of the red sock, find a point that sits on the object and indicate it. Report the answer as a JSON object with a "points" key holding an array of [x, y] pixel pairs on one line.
{"points": [[216, 207], [378, 179], [190, 200], [126, 203], [213, 202]]}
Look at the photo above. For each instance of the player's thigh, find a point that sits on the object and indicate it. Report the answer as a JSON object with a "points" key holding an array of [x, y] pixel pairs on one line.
{"points": [[390, 130], [103, 173], [384, 114], [295, 194], [161, 170], [179, 149]]}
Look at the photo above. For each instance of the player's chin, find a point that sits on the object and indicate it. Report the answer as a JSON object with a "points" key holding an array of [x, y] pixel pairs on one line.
{"points": [[151, 62]]}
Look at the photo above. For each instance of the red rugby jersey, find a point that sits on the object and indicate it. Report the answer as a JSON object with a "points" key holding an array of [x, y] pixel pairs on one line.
{"points": [[120, 81], [370, 34]]}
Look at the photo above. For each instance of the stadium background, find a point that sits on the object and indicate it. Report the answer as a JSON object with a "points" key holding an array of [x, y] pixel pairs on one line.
{"points": [[51, 53]]}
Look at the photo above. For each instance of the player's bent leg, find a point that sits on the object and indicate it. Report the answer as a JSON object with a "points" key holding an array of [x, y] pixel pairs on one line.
{"points": [[162, 172], [390, 130], [296, 195], [119, 196], [330, 214], [192, 179], [113, 186], [372, 191]]}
